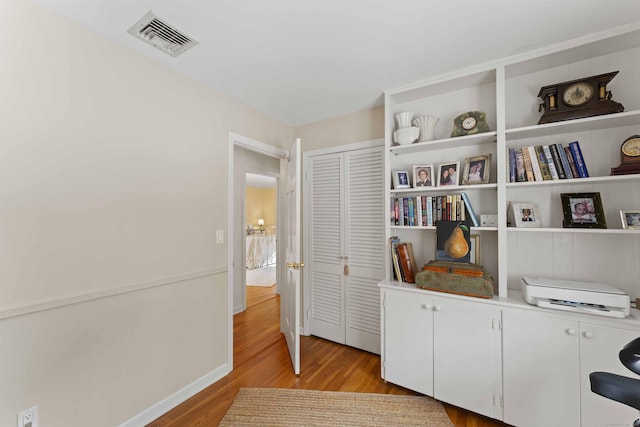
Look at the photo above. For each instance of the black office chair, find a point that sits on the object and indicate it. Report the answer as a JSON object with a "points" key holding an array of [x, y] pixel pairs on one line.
{"points": [[616, 387]]}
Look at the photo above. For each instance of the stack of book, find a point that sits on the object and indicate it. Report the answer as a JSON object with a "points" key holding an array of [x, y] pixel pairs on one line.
{"points": [[428, 210], [404, 264], [547, 162]]}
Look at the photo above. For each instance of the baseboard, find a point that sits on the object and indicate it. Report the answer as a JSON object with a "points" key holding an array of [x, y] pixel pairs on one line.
{"points": [[165, 405]]}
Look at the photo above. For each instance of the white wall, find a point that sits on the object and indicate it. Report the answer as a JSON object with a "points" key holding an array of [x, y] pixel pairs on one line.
{"points": [[112, 177]]}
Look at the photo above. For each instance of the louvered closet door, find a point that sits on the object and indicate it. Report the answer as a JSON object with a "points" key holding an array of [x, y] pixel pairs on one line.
{"points": [[326, 247], [347, 246], [364, 221]]}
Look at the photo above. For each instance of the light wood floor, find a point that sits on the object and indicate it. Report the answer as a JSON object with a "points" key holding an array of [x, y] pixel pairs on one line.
{"points": [[261, 359]]}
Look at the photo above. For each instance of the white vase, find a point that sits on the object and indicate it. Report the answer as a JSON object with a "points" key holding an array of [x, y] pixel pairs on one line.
{"points": [[427, 125], [404, 119]]}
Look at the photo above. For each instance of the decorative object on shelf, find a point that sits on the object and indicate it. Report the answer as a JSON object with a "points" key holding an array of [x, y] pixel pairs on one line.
{"points": [[629, 157], [474, 251], [575, 99], [406, 136], [448, 174], [427, 125], [583, 210], [452, 241], [630, 219], [470, 123], [525, 215], [423, 176], [400, 179], [477, 170], [462, 278], [404, 119]]}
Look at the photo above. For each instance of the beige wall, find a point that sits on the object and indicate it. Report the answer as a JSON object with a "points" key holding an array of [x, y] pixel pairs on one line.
{"points": [[261, 203], [112, 178], [360, 126]]}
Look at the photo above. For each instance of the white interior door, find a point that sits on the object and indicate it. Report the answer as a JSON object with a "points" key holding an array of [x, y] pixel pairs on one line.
{"points": [[290, 294]]}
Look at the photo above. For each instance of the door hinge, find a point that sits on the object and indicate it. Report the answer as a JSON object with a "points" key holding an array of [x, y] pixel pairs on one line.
{"points": [[502, 401], [308, 314], [346, 270]]}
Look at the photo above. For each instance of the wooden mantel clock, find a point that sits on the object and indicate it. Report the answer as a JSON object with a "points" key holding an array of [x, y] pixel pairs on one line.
{"points": [[579, 98], [629, 157]]}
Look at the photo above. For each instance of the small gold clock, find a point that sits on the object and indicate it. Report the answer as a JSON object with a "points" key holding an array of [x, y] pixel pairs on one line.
{"points": [[629, 157]]}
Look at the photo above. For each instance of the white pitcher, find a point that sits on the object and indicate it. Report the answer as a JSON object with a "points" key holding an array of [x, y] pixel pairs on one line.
{"points": [[427, 125]]}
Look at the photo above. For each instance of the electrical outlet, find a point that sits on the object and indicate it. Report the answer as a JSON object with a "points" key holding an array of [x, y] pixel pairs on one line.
{"points": [[28, 418], [219, 236]]}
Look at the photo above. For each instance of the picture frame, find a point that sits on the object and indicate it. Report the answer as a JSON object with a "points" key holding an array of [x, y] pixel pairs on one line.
{"points": [[400, 179], [446, 230], [477, 170], [524, 215], [582, 210], [474, 250], [446, 176], [423, 176], [630, 219]]}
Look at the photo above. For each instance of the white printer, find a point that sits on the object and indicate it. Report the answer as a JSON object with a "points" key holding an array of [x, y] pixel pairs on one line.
{"points": [[584, 297]]}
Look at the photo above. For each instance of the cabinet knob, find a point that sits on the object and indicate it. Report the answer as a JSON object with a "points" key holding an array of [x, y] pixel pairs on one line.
{"points": [[425, 306], [571, 331], [438, 308], [587, 334]]}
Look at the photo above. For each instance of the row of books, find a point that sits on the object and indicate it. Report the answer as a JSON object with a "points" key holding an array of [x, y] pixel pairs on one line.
{"points": [[547, 162], [404, 263], [427, 210]]}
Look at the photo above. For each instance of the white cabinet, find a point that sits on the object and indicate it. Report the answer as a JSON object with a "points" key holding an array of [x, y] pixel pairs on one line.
{"points": [[444, 348], [540, 371], [546, 367]]}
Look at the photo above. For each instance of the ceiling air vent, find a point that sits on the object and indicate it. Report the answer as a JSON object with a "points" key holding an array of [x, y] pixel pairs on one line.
{"points": [[161, 35]]}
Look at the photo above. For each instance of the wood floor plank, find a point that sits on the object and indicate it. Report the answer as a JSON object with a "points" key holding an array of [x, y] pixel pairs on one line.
{"points": [[261, 359]]}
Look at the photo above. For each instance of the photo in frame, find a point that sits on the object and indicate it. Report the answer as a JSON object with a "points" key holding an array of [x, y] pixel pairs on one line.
{"points": [[630, 219], [448, 174], [582, 210], [423, 176], [524, 215], [477, 170], [453, 241], [474, 250], [400, 179]]}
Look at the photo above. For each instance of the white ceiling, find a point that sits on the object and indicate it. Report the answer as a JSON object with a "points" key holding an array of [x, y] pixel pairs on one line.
{"points": [[300, 61]]}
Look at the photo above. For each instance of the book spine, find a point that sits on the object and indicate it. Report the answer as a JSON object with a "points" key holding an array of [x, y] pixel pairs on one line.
{"points": [[396, 211], [470, 211], [534, 164], [557, 160], [521, 173], [572, 163], [565, 161], [578, 159], [393, 243], [423, 207], [405, 264], [528, 167], [405, 214], [542, 161], [552, 166], [411, 211], [418, 210], [430, 211], [512, 165]]}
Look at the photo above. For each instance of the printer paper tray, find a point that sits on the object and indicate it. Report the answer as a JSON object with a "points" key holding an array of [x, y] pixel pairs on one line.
{"points": [[581, 307]]}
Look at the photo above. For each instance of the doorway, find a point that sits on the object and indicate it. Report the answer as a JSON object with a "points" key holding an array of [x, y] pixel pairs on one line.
{"points": [[261, 214]]}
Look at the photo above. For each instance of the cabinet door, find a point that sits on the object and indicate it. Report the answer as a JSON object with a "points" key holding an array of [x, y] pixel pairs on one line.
{"points": [[540, 371], [408, 341], [466, 355], [599, 348]]}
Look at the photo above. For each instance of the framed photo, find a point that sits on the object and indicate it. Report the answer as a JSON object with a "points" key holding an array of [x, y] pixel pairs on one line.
{"points": [[400, 179], [630, 219], [526, 215], [422, 176], [582, 210], [476, 170], [474, 251], [448, 174]]}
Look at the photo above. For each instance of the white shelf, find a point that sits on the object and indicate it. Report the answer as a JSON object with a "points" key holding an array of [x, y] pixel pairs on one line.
{"points": [[629, 118], [415, 227], [617, 231], [579, 181], [460, 141], [445, 188]]}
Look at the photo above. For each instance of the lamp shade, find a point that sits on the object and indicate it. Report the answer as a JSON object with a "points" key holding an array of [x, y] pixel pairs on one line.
{"points": [[260, 222]]}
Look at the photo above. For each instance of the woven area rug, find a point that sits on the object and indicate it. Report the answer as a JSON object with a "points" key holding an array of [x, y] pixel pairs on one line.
{"points": [[265, 276], [287, 407]]}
